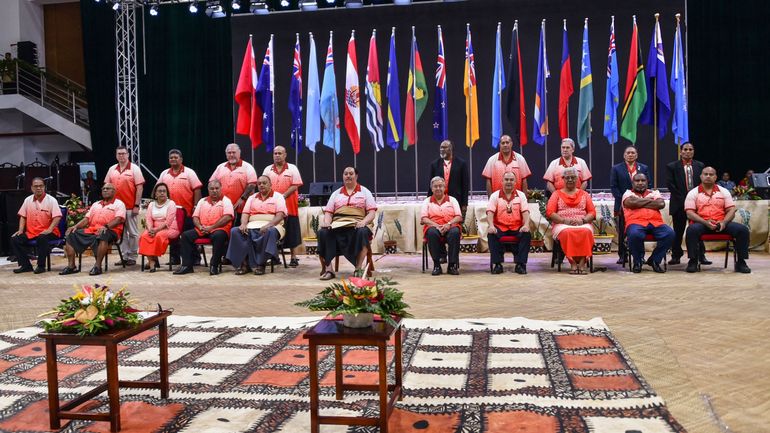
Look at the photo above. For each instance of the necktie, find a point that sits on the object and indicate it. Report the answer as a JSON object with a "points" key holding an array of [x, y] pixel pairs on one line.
{"points": [[688, 175]]}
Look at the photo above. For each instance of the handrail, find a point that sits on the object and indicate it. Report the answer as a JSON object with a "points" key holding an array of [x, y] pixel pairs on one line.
{"points": [[53, 91]]}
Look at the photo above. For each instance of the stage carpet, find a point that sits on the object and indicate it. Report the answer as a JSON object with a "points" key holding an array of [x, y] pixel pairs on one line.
{"points": [[251, 375]]}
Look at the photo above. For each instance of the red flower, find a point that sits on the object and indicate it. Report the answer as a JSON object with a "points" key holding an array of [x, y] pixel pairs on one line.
{"points": [[360, 282]]}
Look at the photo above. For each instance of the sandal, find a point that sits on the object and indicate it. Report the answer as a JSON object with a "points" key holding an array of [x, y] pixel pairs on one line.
{"points": [[294, 262], [582, 272], [574, 271], [328, 275]]}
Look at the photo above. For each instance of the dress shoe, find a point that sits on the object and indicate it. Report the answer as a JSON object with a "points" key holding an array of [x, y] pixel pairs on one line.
{"points": [[692, 266], [243, 270], [184, 270], [704, 261], [213, 270], [742, 267], [497, 269], [95, 271], [621, 261], [294, 262], [68, 270], [637, 267], [436, 270], [39, 270], [22, 269], [520, 269], [226, 261], [674, 261], [453, 269], [657, 268], [259, 270]]}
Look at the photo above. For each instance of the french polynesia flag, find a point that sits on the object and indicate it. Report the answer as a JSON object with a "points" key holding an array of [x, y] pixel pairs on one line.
{"points": [[352, 97]]}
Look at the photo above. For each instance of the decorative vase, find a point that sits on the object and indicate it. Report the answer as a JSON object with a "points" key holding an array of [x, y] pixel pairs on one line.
{"points": [[360, 320], [537, 246], [391, 247], [311, 245], [603, 244], [469, 244]]}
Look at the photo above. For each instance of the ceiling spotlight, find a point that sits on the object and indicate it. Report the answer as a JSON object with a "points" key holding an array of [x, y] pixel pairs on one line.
{"points": [[116, 6], [284, 3], [214, 9], [354, 4], [329, 2], [97, 1], [154, 10], [236, 5], [259, 8], [402, 2], [308, 5], [193, 8]]}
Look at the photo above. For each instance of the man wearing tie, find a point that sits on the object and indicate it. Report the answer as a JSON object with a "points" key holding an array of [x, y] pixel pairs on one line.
{"points": [[620, 182], [682, 176], [455, 173]]}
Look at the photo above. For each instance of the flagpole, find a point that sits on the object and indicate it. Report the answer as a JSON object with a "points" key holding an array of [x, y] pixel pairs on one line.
{"points": [[545, 102], [296, 133], [272, 88], [590, 153], [355, 159], [469, 129], [395, 150], [334, 127], [316, 65], [252, 94], [521, 80], [376, 149], [570, 71], [655, 116], [678, 141], [414, 113]]}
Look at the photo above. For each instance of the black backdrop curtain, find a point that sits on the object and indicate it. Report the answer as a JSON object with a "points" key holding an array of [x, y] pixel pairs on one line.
{"points": [[184, 86]]}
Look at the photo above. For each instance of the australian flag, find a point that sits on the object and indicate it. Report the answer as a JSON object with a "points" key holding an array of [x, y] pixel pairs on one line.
{"points": [[440, 117], [265, 88], [295, 99]]}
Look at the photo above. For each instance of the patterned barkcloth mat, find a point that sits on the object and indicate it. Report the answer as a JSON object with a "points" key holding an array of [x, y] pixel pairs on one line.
{"points": [[251, 375]]}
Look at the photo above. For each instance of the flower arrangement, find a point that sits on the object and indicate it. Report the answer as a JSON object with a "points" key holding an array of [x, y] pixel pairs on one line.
{"points": [[356, 295], [303, 201], [742, 192], [76, 210], [91, 310], [535, 195], [603, 220]]}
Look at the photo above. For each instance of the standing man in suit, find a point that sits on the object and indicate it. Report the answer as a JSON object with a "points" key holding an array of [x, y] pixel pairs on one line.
{"points": [[455, 174], [620, 181], [682, 176]]}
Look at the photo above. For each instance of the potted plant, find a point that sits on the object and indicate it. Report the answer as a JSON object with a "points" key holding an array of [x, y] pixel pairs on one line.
{"points": [[741, 192], [537, 244], [358, 300], [303, 201], [391, 245], [76, 210], [311, 242], [603, 241], [468, 243]]}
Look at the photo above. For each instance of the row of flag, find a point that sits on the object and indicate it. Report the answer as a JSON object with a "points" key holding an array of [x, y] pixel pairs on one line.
{"points": [[385, 126]]}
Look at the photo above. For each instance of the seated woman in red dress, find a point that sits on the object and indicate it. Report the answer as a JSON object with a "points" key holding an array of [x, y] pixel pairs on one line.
{"points": [[161, 226], [571, 212]]}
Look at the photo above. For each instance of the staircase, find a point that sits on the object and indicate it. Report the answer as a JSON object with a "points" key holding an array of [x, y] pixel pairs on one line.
{"points": [[52, 99]]}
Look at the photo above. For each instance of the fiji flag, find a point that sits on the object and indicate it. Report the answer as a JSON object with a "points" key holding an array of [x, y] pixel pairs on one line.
{"points": [[498, 85], [393, 130], [679, 124], [295, 99], [540, 131], [440, 116], [330, 112], [612, 95], [265, 90]]}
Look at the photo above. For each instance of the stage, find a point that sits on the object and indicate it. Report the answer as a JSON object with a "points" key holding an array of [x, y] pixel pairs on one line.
{"points": [[690, 335]]}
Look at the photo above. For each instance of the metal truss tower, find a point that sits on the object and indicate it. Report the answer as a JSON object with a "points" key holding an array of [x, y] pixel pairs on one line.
{"points": [[127, 85]]}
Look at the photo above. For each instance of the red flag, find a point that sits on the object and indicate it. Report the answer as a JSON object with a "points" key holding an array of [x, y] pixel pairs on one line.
{"points": [[249, 114], [565, 87], [352, 97]]}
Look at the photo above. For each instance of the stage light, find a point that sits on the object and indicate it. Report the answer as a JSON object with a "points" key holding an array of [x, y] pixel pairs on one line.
{"points": [[193, 8], [214, 9], [236, 5], [308, 5], [97, 1], [354, 4], [154, 10], [329, 2], [116, 6], [259, 8], [402, 2], [284, 3]]}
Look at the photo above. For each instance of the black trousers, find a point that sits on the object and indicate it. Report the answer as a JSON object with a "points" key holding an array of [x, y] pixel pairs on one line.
{"points": [[739, 231], [218, 242], [497, 250], [438, 249], [176, 246], [680, 223], [21, 250]]}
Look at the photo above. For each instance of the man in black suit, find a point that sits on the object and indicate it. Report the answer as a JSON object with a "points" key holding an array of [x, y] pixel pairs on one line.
{"points": [[682, 176], [621, 177], [455, 174]]}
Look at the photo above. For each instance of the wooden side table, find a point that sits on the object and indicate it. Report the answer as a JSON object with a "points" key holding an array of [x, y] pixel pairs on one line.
{"points": [[332, 333], [110, 341]]}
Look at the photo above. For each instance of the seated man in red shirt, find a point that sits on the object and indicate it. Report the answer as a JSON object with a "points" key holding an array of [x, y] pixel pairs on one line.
{"points": [[212, 218], [508, 215], [641, 211], [39, 217], [711, 210], [101, 227], [441, 216]]}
